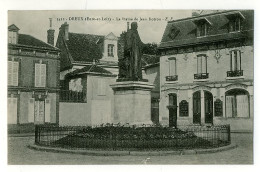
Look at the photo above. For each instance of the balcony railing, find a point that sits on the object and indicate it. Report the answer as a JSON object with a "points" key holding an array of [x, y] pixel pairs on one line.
{"points": [[201, 76], [235, 73], [72, 96], [172, 78]]}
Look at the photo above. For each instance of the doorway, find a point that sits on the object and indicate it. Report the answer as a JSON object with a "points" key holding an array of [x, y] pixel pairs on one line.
{"points": [[237, 103], [172, 110], [208, 105], [196, 108]]}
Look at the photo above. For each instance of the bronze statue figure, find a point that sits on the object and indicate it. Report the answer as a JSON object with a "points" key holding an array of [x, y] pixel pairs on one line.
{"points": [[130, 67]]}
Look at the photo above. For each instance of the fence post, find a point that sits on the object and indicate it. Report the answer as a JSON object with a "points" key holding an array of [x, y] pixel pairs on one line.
{"points": [[36, 134], [229, 137]]}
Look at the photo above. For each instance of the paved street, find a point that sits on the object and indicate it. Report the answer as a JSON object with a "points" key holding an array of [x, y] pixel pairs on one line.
{"points": [[19, 154]]}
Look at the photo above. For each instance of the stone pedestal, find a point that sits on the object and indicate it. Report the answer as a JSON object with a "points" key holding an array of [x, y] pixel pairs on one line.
{"points": [[132, 102]]}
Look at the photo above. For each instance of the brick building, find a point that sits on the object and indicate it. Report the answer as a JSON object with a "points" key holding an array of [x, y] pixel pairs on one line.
{"points": [[33, 80], [206, 70]]}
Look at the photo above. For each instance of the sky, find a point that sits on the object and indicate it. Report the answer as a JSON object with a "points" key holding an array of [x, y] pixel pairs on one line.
{"points": [[151, 28]]}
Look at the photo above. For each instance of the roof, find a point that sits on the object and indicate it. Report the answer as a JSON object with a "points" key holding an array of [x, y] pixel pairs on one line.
{"points": [[91, 69], [84, 47], [218, 29], [13, 27], [31, 41]]}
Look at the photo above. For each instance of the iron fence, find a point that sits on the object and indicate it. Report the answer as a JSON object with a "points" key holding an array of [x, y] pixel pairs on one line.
{"points": [[201, 76], [235, 73], [132, 138]]}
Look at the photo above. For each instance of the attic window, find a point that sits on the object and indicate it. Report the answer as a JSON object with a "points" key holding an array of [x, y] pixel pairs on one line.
{"points": [[12, 37], [202, 26], [234, 25], [202, 29], [235, 19]]}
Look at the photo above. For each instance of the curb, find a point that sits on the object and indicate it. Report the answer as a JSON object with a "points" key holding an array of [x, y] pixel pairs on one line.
{"points": [[131, 153]]}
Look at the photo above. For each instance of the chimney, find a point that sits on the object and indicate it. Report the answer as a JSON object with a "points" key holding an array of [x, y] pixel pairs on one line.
{"points": [[127, 26], [66, 31], [50, 34]]}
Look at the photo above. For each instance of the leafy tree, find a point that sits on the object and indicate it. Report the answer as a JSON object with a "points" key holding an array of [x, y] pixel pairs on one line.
{"points": [[151, 49]]}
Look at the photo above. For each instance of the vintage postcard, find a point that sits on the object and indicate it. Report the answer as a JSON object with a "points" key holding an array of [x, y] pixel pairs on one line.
{"points": [[130, 87]]}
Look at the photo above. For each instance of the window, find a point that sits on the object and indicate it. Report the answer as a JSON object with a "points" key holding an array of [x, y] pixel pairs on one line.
{"points": [[234, 24], [172, 70], [202, 64], [235, 60], [12, 37], [202, 29], [237, 103], [75, 85], [235, 64], [202, 72], [110, 50], [172, 66], [40, 75], [13, 68]]}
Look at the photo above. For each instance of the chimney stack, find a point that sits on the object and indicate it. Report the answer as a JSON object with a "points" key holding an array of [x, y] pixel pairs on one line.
{"points": [[127, 26], [50, 34], [66, 31]]}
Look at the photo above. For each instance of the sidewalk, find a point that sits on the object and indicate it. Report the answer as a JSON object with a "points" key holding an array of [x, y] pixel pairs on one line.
{"points": [[133, 153], [19, 153]]}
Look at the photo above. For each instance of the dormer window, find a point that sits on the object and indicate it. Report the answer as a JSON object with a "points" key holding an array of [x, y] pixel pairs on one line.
{"points": [[202, 26], [235, 21], [13, 34], [234, 25], [12, 37], [202, 29], [110, 50]]}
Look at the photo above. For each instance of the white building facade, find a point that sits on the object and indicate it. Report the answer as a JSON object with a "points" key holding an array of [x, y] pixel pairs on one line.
{"points": [[206, 71]]}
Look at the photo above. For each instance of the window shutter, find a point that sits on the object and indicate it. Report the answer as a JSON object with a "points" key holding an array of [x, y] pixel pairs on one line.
{"points": [[14, 117], [239, 60], [31, 110], [172, 67], [233, 61], [199, 64], [15, 73], [229, 106], [47, 110], [9, 109], [12, 110], [10, 72], [14, 37], [242, 106], [43, 75], [37, 75], [204, 63], [9, 36]]}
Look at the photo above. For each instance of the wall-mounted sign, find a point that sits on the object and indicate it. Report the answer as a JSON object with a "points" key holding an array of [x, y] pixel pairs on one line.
{"points": [[184, 108], [218, 107]]}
